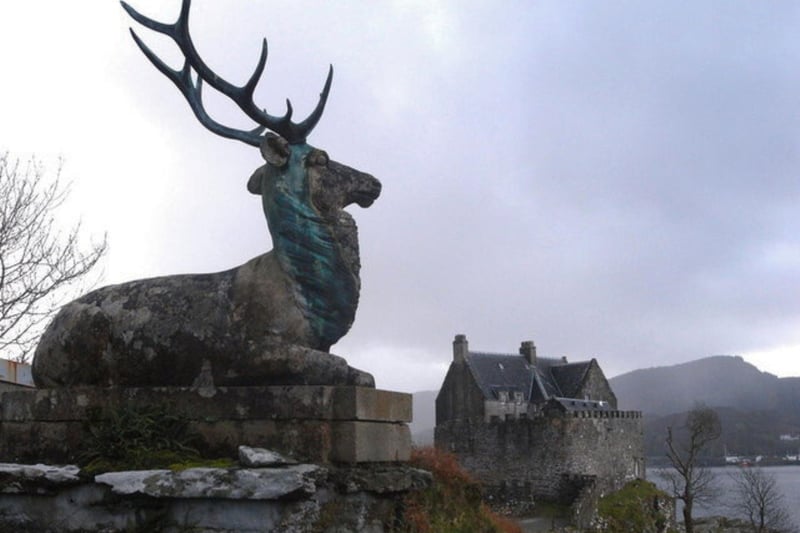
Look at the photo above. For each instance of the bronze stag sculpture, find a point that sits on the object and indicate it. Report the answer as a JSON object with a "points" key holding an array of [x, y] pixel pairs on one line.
{"points": [[269, 321]]}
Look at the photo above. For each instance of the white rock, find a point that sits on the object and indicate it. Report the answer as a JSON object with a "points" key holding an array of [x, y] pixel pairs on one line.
{"points": [[240, 484], [256, 457], [51, 473]]}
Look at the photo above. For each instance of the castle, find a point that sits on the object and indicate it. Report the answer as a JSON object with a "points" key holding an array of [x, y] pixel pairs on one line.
{"points": [[537, 429]]}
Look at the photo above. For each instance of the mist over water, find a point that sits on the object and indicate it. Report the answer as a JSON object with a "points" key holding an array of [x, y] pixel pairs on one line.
{"points": [[786, 477]]}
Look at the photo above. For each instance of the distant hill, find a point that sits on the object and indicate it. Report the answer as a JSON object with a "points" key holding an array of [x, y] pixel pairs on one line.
{"points": [[424, 404], [755, 407], [718, 381]]}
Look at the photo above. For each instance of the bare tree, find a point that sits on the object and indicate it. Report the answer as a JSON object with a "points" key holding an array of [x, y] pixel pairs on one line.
{"points": [[759, 500], [690, 482], [39, 262]]}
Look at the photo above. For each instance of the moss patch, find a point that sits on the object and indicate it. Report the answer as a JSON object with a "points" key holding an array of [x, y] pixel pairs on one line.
{"points": [[638, 506]]}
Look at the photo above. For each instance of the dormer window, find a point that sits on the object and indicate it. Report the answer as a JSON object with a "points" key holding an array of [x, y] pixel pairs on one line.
{"points": [[503, 395], [518, 397]]}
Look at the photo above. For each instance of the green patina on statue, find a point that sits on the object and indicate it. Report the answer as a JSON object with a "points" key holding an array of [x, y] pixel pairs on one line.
{"points": [[269, 321]]}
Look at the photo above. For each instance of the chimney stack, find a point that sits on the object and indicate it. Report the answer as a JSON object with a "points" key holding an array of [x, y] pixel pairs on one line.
{"points": [[528, 350], [460, 349]]}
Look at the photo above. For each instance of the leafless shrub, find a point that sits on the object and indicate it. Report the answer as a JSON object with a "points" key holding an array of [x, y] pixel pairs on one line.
{"points": [[690, 482], [758, 500]]}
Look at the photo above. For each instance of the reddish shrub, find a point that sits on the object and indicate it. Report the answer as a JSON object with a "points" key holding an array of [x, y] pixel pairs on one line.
{"points": [[453, 503]]}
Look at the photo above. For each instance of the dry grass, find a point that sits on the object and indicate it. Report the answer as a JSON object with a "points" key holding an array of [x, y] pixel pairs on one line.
{"points": [[453, 503]]}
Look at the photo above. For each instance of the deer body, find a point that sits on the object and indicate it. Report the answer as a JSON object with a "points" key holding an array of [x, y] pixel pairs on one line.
{"points": [[271, 320]]}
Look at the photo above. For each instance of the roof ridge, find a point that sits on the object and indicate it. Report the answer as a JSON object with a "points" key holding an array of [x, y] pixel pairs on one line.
{"points": [[495, 354]]}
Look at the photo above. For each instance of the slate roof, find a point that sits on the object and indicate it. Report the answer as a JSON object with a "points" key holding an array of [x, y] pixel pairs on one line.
{"points": [[549, 378], [570, 377], [496, 372], [574, 404]]}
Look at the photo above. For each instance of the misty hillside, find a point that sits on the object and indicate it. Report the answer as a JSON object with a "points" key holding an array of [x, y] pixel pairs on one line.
{"points": [[718, 381], [424, 405], [747, 433], [755, 407]]}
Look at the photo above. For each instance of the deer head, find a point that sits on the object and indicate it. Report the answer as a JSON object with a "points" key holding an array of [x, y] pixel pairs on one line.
{"points": [[303, 192]]}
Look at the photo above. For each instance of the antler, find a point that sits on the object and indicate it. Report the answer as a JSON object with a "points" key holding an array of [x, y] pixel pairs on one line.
{"points": [[242, 96]]}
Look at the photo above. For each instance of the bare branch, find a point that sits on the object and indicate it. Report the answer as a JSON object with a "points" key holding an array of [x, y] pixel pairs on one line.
{"points": [[690, 481], [39, 265]]}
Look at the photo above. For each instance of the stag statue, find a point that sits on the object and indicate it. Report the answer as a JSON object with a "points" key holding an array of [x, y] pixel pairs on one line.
{"points": [[269, 321]]}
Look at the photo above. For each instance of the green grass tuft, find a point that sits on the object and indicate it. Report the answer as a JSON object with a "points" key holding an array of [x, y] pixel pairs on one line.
{"points": [[137, 438]]}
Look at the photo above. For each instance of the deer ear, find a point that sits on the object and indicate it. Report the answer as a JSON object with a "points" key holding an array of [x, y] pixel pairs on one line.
{"points": [[275, 150]]}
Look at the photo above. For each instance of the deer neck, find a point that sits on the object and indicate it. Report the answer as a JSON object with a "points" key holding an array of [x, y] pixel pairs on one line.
{"points": [[319, 254]]}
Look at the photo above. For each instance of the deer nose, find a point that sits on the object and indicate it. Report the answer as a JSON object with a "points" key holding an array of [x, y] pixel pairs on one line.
{"points": [[368, 192]]}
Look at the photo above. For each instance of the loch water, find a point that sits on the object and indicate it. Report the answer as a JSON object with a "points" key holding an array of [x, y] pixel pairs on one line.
{"points": [[787, 479]]}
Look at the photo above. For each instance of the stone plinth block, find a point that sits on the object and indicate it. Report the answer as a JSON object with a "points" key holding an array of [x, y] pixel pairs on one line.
{"points": [[360, 442], [307, 423]]}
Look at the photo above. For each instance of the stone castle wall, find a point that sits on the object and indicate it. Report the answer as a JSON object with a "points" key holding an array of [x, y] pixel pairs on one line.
{"points": [[547, 456]]}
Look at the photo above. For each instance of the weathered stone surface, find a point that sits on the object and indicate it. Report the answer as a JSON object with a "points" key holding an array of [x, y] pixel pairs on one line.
{"points": [[194, 330], [358, 442], [223, 403], [381, 479], [364, 499], [20, 478], [548, 456], [225, 483], [306, 423], [361, 403], [260, 457]]}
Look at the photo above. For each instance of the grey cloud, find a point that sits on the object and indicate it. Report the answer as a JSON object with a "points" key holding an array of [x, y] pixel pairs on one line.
{"points": [[610, 179]]}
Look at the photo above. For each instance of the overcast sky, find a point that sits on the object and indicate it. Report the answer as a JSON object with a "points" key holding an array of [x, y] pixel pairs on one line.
{"points": [[617, 180]]}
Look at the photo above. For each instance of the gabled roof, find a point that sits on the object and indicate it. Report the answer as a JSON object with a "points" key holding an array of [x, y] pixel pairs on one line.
{"points": [[548, 378], [570, 377], [500, 372]]}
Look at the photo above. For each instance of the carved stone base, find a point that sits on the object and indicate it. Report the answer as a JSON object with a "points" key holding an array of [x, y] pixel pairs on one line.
{"points": [[320, 424]]}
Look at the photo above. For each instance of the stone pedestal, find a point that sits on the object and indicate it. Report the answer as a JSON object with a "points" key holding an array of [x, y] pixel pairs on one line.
{"points": [[319, 424]]}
